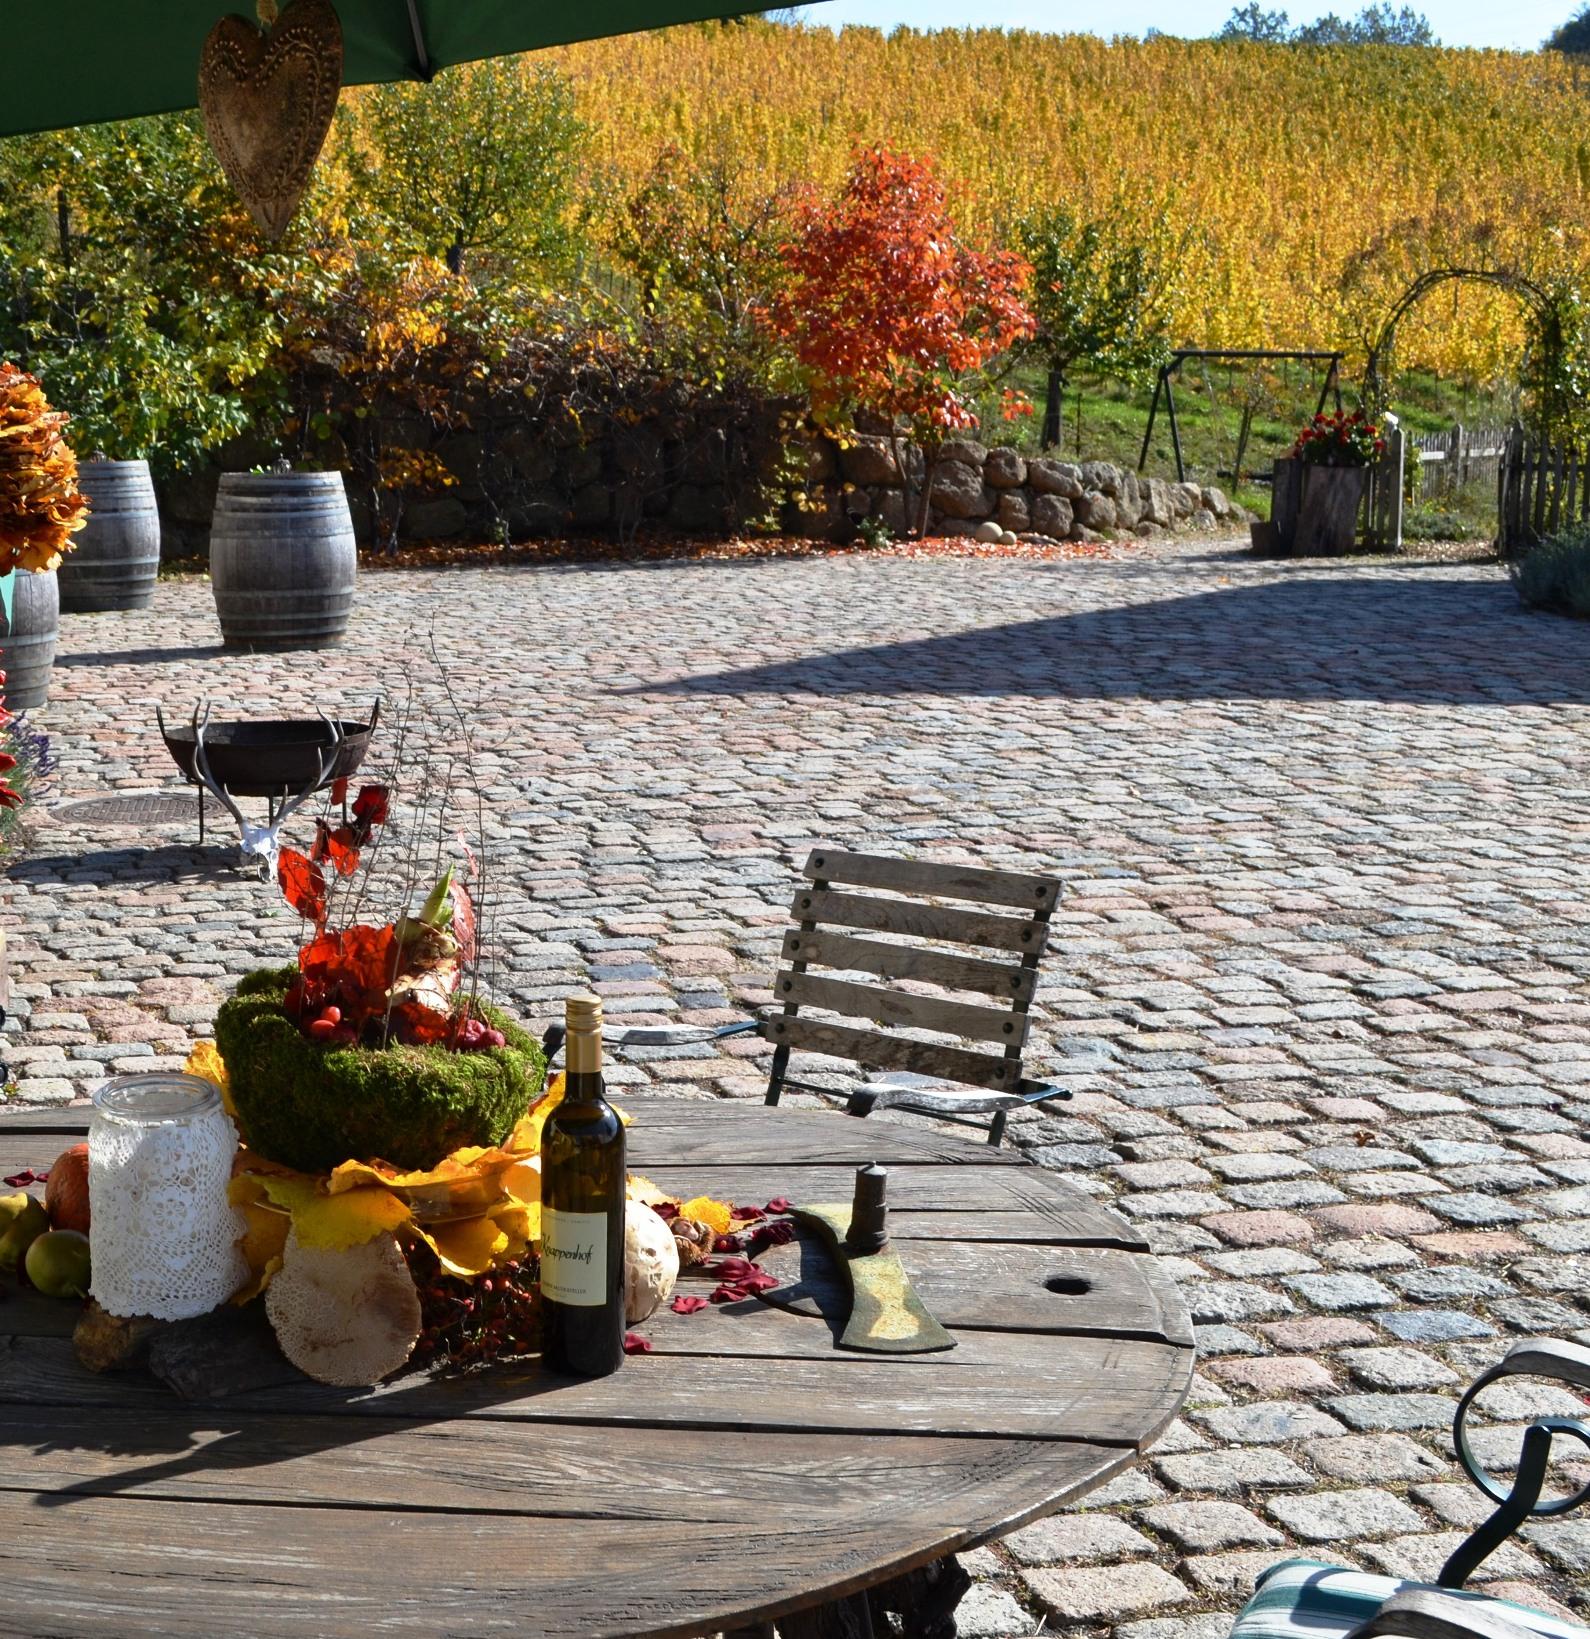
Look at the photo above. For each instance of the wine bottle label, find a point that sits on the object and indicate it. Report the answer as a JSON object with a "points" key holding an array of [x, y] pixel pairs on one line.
{"points": [[574, 1257]]}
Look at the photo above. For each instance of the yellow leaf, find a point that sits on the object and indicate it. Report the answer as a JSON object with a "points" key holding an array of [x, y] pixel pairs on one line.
{"points": [[336, 1222], [715, 1214], [205, 1062], [467, 1247]]}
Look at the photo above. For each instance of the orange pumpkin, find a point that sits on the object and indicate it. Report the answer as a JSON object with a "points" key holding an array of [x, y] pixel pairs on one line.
{"points": [[66, 1193]]}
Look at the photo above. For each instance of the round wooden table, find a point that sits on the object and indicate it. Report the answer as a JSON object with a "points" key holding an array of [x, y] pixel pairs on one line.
{"points": [[744, 1471]]}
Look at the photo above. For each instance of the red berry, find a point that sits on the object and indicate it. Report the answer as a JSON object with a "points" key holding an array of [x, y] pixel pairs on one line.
{"points": [[322, 1029], [332, 1012]]}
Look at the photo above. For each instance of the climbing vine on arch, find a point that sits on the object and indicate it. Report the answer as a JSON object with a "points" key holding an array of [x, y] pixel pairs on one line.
{"points": [[1554, 373]]}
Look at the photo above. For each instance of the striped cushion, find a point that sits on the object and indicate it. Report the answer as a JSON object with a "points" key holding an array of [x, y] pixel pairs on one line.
{"points": [[1303, 1599]]}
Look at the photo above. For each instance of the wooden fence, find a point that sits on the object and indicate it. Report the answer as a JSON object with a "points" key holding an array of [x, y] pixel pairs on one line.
{"points": [[1446, 461], [1541, 488]]}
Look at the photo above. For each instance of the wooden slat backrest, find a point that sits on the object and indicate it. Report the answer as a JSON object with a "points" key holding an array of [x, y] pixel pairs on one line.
{"points": [[902, 909], [841, 950], [1028, 893]]}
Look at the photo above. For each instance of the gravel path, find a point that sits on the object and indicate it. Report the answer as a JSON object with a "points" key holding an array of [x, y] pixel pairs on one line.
{"points": [[1318, 985]]}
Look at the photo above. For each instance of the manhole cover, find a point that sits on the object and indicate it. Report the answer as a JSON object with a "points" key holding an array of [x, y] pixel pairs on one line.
{"points": [[136, 808]]}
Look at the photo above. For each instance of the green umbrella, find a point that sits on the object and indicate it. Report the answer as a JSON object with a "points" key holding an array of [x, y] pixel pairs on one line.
{"points": [[113, 59]]}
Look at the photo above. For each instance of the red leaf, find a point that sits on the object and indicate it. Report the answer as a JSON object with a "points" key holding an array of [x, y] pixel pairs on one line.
{"points": [[341, 848], [688, 1306], [303, 885], [370, 805], [421, 1025], [353, 968], [463, 920]]}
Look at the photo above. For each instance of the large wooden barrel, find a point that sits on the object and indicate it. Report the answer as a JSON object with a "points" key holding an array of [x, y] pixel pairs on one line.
{"points": [[27, 651], [282, 560], [117, 555]]}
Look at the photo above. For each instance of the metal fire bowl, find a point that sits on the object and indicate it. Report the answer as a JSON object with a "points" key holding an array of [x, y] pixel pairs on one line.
{"points": [[266, 758]]}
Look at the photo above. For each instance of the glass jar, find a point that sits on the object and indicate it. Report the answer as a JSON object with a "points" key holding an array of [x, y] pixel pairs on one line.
{"points": [[163, 1237]]}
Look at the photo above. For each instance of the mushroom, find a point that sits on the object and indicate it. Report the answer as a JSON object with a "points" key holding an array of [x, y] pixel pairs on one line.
{"points": [[651, 1262], [345, 1317]]}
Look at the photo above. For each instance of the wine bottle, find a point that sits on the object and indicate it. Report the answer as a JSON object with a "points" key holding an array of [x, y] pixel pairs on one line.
{"points": [[582, 1211]]}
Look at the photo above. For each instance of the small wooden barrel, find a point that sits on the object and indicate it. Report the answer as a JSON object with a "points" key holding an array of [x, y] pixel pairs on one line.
{"points": [[117, 553], [282, 560], [27, 651]]}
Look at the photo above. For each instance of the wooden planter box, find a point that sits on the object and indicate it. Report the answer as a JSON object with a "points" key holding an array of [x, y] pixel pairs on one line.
{"points": [[1315, 508]]}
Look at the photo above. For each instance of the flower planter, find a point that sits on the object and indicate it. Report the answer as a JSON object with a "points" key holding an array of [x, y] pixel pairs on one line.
{"points": [[311, 1109], [282, 560], [117, 556], [27, 650], [1329, 501]]}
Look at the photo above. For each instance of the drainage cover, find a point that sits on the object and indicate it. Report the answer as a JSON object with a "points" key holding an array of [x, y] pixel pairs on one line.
{"points": [[136, 808]]}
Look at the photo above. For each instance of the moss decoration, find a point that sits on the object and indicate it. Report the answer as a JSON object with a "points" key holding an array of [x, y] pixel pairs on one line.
{"points": [[311, 1107]]}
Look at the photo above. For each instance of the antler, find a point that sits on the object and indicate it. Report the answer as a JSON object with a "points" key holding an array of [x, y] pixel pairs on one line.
{"points": [[328, 761], [201, 761]]}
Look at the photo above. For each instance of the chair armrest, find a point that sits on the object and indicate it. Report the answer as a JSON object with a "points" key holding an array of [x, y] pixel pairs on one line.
{"points": [[1038, 1092], [1424, 1613]]}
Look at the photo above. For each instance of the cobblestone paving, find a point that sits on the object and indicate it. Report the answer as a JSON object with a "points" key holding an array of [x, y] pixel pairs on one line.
{"points": [[1319, 986]]}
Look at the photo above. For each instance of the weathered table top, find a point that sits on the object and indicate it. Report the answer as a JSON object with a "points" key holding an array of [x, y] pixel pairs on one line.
{"points": [[742, 1470]]}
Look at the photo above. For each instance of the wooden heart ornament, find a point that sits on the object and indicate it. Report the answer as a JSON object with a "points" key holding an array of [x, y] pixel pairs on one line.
{"points": [[268, 101]]}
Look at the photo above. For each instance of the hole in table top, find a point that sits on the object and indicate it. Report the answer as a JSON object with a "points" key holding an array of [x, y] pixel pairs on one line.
{"points": [[1068, 1286]]}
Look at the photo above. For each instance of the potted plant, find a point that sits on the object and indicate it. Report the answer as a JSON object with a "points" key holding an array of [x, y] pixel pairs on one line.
{"points": [[1320, 487], [41, 508]]}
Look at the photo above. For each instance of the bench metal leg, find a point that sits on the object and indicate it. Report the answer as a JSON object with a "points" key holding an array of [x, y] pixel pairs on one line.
{"points": [[776, 1074]]}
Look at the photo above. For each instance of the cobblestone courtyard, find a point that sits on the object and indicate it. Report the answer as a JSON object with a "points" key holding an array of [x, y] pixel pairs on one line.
{"points": [[1319, 982]]}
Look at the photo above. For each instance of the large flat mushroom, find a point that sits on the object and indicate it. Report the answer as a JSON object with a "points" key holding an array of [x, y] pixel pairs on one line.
{"points": [[348, 1317]]}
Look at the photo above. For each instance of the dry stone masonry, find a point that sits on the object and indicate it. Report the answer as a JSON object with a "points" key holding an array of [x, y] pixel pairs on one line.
{"points": [[993, 492]]}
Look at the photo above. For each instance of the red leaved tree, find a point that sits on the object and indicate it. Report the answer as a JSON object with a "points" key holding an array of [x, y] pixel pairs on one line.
{"points": [[888, 311]]}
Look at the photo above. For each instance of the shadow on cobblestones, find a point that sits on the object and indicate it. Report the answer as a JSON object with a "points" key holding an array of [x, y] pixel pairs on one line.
{"points": [[140, 657], [1447, 643], [172, 862]]}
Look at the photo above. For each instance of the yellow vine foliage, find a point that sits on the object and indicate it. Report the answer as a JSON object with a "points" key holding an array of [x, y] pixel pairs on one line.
{"points": [[1313, 183]]}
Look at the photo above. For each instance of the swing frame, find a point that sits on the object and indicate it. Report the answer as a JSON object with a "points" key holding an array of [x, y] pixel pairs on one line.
{"points": [[1169, 370]]}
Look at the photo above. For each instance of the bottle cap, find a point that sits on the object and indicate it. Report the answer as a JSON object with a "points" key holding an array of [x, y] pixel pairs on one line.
{"points": [[583, 1013]]}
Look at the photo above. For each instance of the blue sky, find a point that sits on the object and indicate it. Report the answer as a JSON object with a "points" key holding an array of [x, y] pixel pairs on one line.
{"points": [[1518, 26]]}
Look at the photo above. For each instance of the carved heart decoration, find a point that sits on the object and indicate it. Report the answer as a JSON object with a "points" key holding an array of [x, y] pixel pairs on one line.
{"points": [[268, 101]]}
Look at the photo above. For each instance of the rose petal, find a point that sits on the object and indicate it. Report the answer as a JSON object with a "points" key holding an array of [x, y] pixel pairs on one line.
{"points": [[634, 1343], [779, 1203], [729, 1293], [27, 1176], [745, 1214], [688, 1306]]}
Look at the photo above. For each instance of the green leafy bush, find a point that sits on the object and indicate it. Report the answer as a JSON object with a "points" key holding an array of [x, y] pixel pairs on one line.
{"points": [[312, 1108], [1556, 574]]}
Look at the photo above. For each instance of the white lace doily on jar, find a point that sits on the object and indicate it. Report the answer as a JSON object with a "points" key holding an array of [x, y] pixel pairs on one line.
{"points": [[163, 1236]]}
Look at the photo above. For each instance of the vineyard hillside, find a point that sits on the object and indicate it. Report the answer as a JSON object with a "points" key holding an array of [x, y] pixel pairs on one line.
{"points": [[1311, 183]]}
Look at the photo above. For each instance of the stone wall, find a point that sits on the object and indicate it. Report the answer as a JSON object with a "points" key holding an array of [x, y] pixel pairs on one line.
{"points": [[516, 482], [994, 492]]}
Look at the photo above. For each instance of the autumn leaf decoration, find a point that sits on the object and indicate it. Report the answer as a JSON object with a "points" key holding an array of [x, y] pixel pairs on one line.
{"points": [[41, 507], [405, 974]]}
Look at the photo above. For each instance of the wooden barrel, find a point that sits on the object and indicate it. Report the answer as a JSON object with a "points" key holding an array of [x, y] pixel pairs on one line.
{"points": [[117, 554], [27, 651], [282, 560]]}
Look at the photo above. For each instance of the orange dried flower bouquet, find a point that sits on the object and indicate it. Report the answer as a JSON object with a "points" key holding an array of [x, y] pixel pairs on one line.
{"points": [[41, 507]]}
